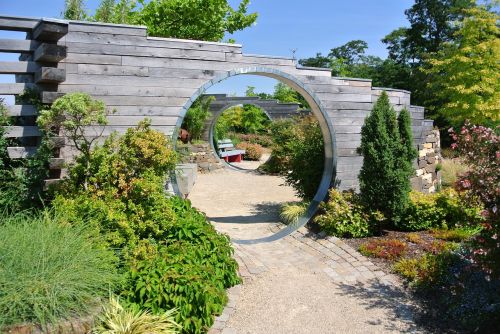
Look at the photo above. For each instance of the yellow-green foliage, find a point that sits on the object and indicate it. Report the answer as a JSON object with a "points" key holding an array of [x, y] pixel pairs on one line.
{"points": [[414, 238], [344, 216], [426, 270], [116, 319], [450, 170], [455, 234], [291, 212], [444, 208], [466, 73], [408, 268]]}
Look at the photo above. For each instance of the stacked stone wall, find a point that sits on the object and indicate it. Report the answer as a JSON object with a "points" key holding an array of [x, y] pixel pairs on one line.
{"points": [[428, 176], [200, 154]]}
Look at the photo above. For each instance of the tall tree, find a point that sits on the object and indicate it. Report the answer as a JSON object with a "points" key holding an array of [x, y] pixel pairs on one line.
{"points": [[384, 177], [466, 72], [207, 20], [74, 10], [350, 52], [431, 24]]}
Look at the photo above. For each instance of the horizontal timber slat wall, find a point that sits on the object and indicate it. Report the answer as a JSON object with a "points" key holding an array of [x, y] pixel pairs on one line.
{"points": [[139, 76]]}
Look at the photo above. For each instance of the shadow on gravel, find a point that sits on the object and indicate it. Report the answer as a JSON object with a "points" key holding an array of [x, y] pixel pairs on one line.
{"points": [[261, 213], [391, 298]]}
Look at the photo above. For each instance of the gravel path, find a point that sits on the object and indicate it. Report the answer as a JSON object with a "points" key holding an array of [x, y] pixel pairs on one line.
{"points": [[299, 284]]}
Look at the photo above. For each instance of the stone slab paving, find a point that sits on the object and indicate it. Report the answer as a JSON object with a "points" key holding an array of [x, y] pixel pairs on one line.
{"points": [[302, 283]]}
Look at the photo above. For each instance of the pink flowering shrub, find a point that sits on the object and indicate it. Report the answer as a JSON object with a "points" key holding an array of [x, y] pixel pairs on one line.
{"points": [[480, 148]]}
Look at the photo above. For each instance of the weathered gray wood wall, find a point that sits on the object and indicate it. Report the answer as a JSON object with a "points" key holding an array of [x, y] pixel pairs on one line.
{"points": [[140, 76]]}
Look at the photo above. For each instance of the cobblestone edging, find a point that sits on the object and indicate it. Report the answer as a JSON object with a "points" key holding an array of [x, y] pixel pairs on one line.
{"points": [[339, 261]]}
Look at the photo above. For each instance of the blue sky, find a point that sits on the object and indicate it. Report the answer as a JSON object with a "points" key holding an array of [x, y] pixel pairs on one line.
{"points": [[308, 26]]}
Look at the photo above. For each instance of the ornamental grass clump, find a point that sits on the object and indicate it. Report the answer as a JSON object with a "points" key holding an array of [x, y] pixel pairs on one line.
{"points": [[117, 319], [50, 272]]}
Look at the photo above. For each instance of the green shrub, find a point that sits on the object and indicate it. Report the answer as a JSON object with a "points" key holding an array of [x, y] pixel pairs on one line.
{"points": [[307, 158], [252, 151], [117, 319], [50, 272], [389, 249], [263, 140], [172, 256], [291, 212], [190, 272], [442, 209], [21, 180], [298, 154], [197, 116], [344, 216], [408, 268], [387, 152]]}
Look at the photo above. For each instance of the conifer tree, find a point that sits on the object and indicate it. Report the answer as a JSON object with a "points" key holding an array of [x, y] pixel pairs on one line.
{"points": [[406, 134], [384, 177]]}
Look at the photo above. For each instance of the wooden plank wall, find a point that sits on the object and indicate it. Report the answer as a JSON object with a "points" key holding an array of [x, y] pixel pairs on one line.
{"points": [[139, 76], [36, 70]]}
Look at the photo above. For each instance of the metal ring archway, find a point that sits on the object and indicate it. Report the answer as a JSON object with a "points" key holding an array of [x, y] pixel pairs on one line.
{"points": [[326, 128]]}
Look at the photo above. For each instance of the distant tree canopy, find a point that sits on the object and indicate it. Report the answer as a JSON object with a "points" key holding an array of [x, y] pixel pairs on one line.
{"points": [[447, 57], [283, 93], [207, 20]]}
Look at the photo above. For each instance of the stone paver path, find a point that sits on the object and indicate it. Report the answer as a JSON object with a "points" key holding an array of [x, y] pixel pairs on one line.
{"points": [[303, 283]]}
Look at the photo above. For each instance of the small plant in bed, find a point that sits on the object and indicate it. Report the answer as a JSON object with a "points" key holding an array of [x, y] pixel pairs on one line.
{"points": [[292, 211], [252, 151], [389, 249]]}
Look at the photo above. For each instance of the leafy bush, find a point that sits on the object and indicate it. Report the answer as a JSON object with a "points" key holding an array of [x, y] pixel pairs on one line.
{"points": [[307, 158], [389, 249], [298, 154], [172, 256], [480, 147], [291, 212], [261, 139], [50, 271], [344, 216], [196, 117], [253, 119], [387, 152], [189, 271], [116, 319], [252, 151], [450, 170], [282, 134], [442, 209], [21, 180]]}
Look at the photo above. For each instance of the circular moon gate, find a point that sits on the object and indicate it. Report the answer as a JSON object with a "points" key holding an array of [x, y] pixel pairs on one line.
{"points": [[326, 128]]}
